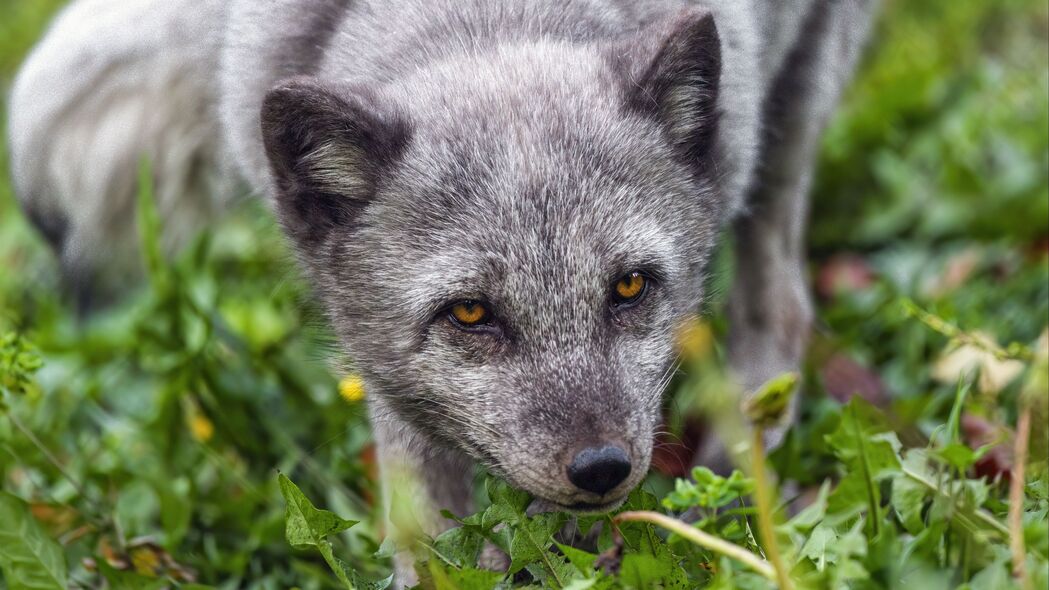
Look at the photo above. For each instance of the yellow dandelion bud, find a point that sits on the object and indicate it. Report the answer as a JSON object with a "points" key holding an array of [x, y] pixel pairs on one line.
{"points": [[201, 428], [351, 389], [695, 340]]}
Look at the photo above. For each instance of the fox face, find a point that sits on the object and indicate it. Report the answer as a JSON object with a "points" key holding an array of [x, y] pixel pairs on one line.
{"points": [[507, 242]]}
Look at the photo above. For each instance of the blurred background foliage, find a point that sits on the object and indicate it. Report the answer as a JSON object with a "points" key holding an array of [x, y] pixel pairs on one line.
{"points": [[171, 413]]}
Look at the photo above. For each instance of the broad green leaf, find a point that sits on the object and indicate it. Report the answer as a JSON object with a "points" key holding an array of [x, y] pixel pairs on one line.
{"points": [[870, 453], [29, 559], [532, 540], [846, 555], [500, 493], [729, 578], [304, 524], [993, 577], [469, 578], [908, 500], [643, 570], [957, 455], [476, 579], [438, 576], [387, 549], [553, 571], [587, 522], [359, 582], [859, 421], [852, 496], [640, 499], [815, 547], [876, 460], [498, 514], [582, 560], [508, 504], [812, 514], [1036, 531], [581, 584], [460, 546]]}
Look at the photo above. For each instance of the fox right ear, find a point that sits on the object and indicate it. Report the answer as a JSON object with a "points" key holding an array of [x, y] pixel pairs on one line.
{"points": [[672, 73], [327, 147]]}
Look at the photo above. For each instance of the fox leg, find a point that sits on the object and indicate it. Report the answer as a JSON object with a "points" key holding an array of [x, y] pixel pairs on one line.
{"points": [[770, 309], [418, 480]]}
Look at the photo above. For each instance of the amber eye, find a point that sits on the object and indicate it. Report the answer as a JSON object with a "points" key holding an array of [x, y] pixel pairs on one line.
{"points": [[630, 289], [469, 313]]}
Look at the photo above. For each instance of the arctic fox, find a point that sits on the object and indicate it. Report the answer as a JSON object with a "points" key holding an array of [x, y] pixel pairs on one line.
{"points": [[506, 207]]}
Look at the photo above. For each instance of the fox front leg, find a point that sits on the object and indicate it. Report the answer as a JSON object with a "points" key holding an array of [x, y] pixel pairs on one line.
{"points": [[418, 480]]}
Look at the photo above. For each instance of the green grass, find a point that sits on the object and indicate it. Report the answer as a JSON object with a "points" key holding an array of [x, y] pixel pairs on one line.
{"points": [[142, 449]]}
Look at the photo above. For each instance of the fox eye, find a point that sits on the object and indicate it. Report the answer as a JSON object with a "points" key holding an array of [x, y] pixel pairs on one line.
{"points": [[469, 314], [629, 290]]}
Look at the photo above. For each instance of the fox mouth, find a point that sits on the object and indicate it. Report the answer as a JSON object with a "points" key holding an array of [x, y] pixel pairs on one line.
{"points": [[584, 508], [573, 505]]}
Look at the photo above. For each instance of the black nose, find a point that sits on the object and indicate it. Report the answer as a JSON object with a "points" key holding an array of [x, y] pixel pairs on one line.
{"points": [[599, 469]]}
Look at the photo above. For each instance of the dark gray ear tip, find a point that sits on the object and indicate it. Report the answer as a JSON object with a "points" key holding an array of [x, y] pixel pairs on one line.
{"points": [[673, 75], [285, 92], [296, 85], [291, 94], [697, 18], [279, 102], [698, 27], [298, 109]]}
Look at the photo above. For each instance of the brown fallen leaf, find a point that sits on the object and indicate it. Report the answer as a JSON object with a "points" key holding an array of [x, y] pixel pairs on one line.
{"points": [[56, 518], [844, 377], [959, 268], [144, 557], [997, 462], [843, 273]]}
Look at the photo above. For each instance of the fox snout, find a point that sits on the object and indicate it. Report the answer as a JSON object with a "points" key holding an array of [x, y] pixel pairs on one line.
{"points": [[590, 475], [599, 469]]}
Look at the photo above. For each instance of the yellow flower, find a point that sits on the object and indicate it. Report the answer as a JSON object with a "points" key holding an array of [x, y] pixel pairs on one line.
{"points": [[145, 561], [351, 388], [201, 428], [695, 340]]}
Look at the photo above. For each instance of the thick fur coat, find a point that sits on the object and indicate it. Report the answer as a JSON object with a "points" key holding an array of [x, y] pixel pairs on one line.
{"points": [[519, 155]]}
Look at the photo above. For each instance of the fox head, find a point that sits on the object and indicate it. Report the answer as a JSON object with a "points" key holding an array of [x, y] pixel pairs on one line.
{"points": [[506, 242]]}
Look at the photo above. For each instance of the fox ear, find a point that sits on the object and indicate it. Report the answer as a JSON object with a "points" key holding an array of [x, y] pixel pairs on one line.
{"points": [[327, 147], [673, 74]]}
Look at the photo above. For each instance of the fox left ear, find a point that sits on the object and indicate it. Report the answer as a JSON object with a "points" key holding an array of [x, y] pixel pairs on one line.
{"points": [[328, 147], [673, 73]]}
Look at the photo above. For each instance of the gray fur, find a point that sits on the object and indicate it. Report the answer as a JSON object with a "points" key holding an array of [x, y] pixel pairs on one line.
{"points": [[110, 84], [522, 153]]}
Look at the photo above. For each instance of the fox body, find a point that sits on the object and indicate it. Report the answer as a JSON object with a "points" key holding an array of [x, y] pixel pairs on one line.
{"points": [[506, 208]]}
